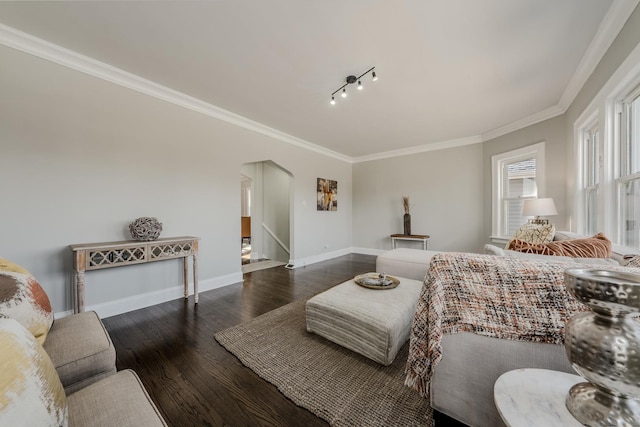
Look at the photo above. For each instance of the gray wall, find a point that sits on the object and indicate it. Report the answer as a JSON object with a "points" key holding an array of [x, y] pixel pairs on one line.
{"points": [[445, 194], [551, 131], [276, 186], [81, 158], [625, 42], [558, 133]]}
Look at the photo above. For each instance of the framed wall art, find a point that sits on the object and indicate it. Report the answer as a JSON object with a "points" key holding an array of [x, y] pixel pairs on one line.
{"points": [[327, 195]]}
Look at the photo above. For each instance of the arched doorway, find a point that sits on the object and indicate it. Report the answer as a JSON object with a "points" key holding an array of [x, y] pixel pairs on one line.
{"points": [[266, 199]]}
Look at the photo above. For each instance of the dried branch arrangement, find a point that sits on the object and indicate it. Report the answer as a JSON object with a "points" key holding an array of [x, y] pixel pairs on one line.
{"points": [[405, 204]]}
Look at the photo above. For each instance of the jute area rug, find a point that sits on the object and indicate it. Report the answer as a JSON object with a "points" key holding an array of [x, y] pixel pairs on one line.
{"points": [[334, 383]]}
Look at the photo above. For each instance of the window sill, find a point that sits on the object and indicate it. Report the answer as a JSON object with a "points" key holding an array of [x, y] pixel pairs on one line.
{"points": [[501, 240]]}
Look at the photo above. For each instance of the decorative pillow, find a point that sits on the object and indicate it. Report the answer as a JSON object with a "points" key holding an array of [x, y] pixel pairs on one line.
{"points": [[597, 246], [22, 298], [633, 261], [534, 233], [31, 393], [6, 265]]}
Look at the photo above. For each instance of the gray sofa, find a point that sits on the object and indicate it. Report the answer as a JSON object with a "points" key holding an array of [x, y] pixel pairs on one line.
{"points": [[61, 371], [97, 395], [462, 385]]}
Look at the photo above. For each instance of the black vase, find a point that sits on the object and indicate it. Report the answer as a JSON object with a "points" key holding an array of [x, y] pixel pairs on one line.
{"points": [[407, 224]]}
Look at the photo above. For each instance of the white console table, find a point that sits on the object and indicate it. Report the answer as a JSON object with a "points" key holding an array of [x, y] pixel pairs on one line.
{"points": [[96, 256], [412, 237]]}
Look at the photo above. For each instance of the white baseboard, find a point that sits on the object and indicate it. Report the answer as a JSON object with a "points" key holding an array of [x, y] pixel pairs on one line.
{"points": [[135, 302], [368, 251], [301, 262]]}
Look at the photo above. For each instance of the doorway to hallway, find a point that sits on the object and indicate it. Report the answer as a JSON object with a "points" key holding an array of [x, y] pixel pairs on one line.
{"points": [[265, 215]]}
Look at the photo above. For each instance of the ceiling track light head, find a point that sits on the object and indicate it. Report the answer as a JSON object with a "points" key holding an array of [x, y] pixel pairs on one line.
{"points": [[350, 80]]}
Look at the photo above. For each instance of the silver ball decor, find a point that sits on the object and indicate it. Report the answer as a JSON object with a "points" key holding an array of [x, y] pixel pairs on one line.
{"points": [[603, 346], [145, 228]]}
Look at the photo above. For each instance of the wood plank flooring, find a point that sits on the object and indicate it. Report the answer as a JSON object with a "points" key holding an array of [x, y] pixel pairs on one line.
{"points": [[191, 378]]}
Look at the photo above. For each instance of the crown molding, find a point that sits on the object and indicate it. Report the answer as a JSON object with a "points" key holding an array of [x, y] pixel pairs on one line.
{"points": [[614, 20], [609, 28], [541, 116], [40, 48], [441, 145]]}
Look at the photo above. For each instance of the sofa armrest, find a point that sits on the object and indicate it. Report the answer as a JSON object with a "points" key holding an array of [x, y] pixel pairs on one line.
{"points": [[81, 350]]}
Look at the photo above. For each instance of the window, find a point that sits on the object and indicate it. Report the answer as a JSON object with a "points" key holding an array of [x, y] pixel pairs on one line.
{"points": [[517, 175], [590, 178], [628, 182]]}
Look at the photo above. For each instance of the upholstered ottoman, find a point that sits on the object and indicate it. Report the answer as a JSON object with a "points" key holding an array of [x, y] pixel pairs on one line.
{"points": [[373, 322], [405, 262]]}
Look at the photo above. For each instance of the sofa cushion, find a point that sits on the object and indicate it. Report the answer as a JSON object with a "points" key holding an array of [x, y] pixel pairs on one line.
{"points": [[23, 299], [535, 233], [494, 250], [597, 246], [405, 262], [81, 350], [120, 400], [30, 391]]}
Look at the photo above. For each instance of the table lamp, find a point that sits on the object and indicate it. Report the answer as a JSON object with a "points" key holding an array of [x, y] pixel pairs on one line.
{"points": [[539, 208]]}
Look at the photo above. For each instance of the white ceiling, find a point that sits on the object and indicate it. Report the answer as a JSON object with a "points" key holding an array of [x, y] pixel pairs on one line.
{"points": [[450, 71]]}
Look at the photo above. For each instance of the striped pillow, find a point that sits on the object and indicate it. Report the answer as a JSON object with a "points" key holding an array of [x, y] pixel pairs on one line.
{"points": [[597, 246]]}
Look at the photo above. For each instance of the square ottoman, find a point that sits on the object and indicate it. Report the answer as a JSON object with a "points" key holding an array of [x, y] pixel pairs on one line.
{"points": [[373, 322]]}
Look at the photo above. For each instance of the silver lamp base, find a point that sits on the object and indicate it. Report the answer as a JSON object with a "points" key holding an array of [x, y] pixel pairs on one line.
{"points": [[594, 407]]}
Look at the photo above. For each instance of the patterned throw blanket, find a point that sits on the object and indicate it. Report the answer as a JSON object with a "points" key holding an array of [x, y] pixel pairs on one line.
{"points": [[509, 298]]}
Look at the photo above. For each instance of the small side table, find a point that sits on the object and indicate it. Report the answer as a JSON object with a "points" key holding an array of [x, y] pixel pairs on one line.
{"points": [[535, 398], [413, 237]]}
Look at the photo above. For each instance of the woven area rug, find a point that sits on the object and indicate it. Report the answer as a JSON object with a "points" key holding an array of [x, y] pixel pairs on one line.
{"points": [[334, 383]]}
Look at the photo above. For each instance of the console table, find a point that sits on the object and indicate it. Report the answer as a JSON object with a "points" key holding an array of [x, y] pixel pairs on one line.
{"points": [[413, 237], [96, 256]]}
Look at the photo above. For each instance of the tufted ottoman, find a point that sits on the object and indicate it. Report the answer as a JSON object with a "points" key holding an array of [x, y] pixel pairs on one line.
{"points": [[374, 323]]}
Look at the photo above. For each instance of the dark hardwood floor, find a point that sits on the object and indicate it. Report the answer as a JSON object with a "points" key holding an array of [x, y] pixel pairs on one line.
{"points": [[191, 378]]}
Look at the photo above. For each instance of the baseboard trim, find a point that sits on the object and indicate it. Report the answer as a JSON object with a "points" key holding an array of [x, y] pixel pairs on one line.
{"points": [[135, 302], [368, 251], [301, 262]]}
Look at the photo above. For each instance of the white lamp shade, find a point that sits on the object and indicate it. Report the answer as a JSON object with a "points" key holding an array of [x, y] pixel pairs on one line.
{"points": [[539, 207]]}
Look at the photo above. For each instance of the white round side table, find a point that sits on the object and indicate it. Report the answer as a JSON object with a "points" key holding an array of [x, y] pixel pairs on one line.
{"points": [[535, 398]]}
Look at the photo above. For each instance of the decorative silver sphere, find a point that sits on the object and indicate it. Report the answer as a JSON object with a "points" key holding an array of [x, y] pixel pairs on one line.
{"points": [[603, 346]]}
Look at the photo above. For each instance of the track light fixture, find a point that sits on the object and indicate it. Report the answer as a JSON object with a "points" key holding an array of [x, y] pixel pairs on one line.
{"points": [[351, 80]]}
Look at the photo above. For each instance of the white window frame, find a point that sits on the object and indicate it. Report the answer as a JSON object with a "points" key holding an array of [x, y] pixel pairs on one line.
{"points": [[498, 162], [606, 108], [584, 129], [623, 175]]}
